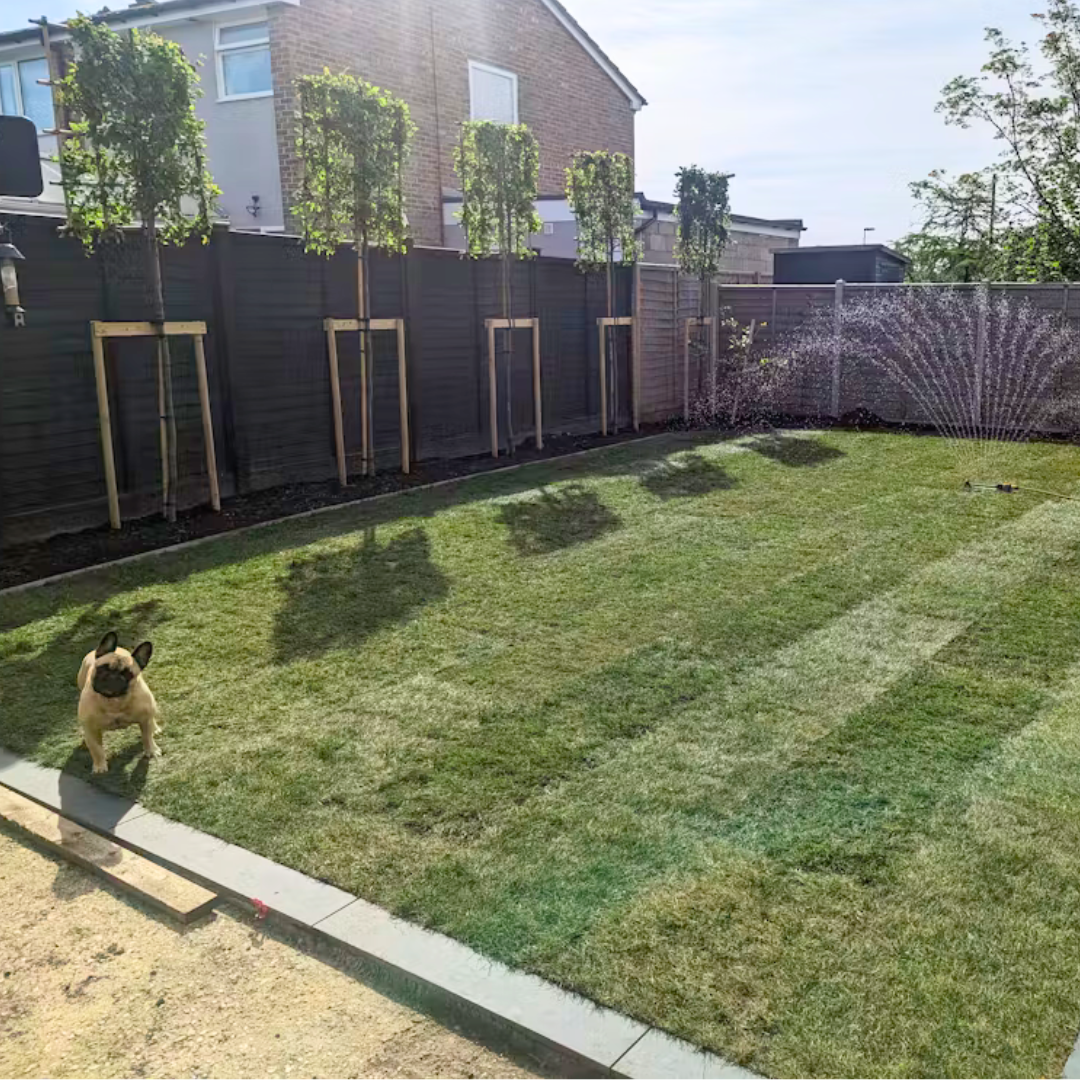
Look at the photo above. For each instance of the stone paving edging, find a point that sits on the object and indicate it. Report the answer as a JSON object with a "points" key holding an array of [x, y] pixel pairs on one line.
{"points": [[139, 556], [505, 1008]]}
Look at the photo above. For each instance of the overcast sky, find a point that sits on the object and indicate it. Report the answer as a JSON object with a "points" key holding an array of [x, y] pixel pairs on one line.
{"points": [[824, 109]]}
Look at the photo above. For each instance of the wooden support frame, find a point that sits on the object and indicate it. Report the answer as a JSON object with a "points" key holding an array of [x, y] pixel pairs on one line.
{"points": [[602, 327], [99, 332], [332, 328], [696, 320], [491, 326]]}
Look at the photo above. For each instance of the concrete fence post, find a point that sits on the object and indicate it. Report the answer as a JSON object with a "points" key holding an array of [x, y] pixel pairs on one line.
{"points": [[838, 304], [982, 312]]}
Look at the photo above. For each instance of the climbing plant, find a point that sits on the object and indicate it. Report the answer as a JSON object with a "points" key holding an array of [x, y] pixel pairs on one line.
{"points": [[498, 166], [136, 156], [703, 213], [352, 141], [600, 191]]}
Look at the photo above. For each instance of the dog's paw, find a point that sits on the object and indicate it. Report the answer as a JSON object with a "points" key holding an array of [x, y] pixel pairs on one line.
{"points": [[100, 767], [152, 753]]}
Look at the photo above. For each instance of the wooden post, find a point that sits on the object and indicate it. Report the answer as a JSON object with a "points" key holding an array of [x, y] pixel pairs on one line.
{"points": [[838, 303], [537, 395], [493, 392], [714, 356], [636, 331], [686, 372], [367, 464], [335, 397], [673, 368], [403, 396], [363, 405], [207, 422], [163, 430], [106, 426], [603, 381]]}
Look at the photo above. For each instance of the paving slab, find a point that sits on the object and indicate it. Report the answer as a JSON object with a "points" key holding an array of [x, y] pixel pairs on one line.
{"points": [[179, 898], [566, 1020], [233, 869], [70, 796], [661, 1057]]}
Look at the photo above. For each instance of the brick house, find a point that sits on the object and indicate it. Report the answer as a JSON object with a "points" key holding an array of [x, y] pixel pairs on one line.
{"points": [[509, 60]]}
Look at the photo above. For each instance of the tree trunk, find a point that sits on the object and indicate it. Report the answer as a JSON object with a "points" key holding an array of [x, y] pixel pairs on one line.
{"points": [[363, 303], [157, 317], [609, 341], [508, 307]]}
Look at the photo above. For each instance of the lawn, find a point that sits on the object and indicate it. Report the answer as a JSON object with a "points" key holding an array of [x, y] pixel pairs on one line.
{"points": [[773, 742]]}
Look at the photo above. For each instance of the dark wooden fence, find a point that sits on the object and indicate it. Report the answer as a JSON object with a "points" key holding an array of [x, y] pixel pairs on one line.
{"points": [[264, 300]]}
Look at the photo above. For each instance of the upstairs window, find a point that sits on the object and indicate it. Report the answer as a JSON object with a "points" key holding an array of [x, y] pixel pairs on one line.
{"points": [[493, 93], [243, 60], [21, 94]]}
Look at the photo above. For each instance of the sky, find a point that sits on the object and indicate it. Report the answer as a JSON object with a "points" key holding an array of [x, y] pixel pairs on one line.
{"points": [[823, 109]]}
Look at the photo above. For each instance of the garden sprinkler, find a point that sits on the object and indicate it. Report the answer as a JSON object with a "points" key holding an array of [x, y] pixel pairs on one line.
{"points": [[1014, 489]]}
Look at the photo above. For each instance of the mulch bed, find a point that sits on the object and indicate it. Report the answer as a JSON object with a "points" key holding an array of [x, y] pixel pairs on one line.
{"points": [[91, 547]]}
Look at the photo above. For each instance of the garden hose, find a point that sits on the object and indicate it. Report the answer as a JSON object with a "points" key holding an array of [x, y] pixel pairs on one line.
{"points": [[1012, 489]]}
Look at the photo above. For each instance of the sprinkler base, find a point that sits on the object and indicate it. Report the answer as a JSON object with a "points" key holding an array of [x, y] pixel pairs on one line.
{"points": [[1008, 489]]}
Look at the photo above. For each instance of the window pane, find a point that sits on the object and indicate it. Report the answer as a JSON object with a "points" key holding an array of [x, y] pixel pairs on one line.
{"points": [[36, 100], [247, 71], [492, 96], [8, 105], [240, 35]]}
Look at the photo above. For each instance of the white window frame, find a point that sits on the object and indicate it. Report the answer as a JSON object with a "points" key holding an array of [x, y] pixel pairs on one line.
{"points": [[17, 81], [220, 50], [491, 69]]}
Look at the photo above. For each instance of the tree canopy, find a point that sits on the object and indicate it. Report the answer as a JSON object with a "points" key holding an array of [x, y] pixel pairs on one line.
{"points": [[1029, 227], [136, 150]]}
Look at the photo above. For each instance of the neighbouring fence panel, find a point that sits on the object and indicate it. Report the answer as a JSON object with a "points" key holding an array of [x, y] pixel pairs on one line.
{"points": [[264, 300], [785, 308]]}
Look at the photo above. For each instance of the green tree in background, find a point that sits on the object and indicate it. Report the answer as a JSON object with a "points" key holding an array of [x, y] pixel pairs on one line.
{"points": [[1032, 106], [704, 219], [353, 140], [600, 191], [498, 166], [136, 156]]}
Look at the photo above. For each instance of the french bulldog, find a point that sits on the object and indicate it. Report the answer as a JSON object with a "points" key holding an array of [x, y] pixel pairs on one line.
{"points": [[114, 694]]}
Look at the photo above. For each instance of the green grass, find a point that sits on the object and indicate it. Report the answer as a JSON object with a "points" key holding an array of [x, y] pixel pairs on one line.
{"points": [[772, 742]]}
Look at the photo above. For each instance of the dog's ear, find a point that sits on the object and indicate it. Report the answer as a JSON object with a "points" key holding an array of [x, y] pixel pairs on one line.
{"points": [[108, 644], [141, 653]]}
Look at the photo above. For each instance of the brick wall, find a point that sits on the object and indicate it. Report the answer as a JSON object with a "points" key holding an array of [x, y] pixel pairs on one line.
{"points": [[419, 50]]}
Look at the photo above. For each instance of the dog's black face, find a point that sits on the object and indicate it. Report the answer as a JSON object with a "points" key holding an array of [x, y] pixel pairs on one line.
{"points": [[116, 669], [112, 678]]}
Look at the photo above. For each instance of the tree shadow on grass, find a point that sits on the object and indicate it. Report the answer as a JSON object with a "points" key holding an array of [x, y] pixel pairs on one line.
{"points": [[686, 477], [794, 452], [556, 519], [336, 599], [38, 697]]}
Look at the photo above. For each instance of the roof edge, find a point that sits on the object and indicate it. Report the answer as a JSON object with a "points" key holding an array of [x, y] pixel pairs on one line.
{"points": [[576, 31]]}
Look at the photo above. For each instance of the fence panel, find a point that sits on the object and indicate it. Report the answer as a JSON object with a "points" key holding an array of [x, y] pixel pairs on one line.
{"points": [[264, 300]]}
